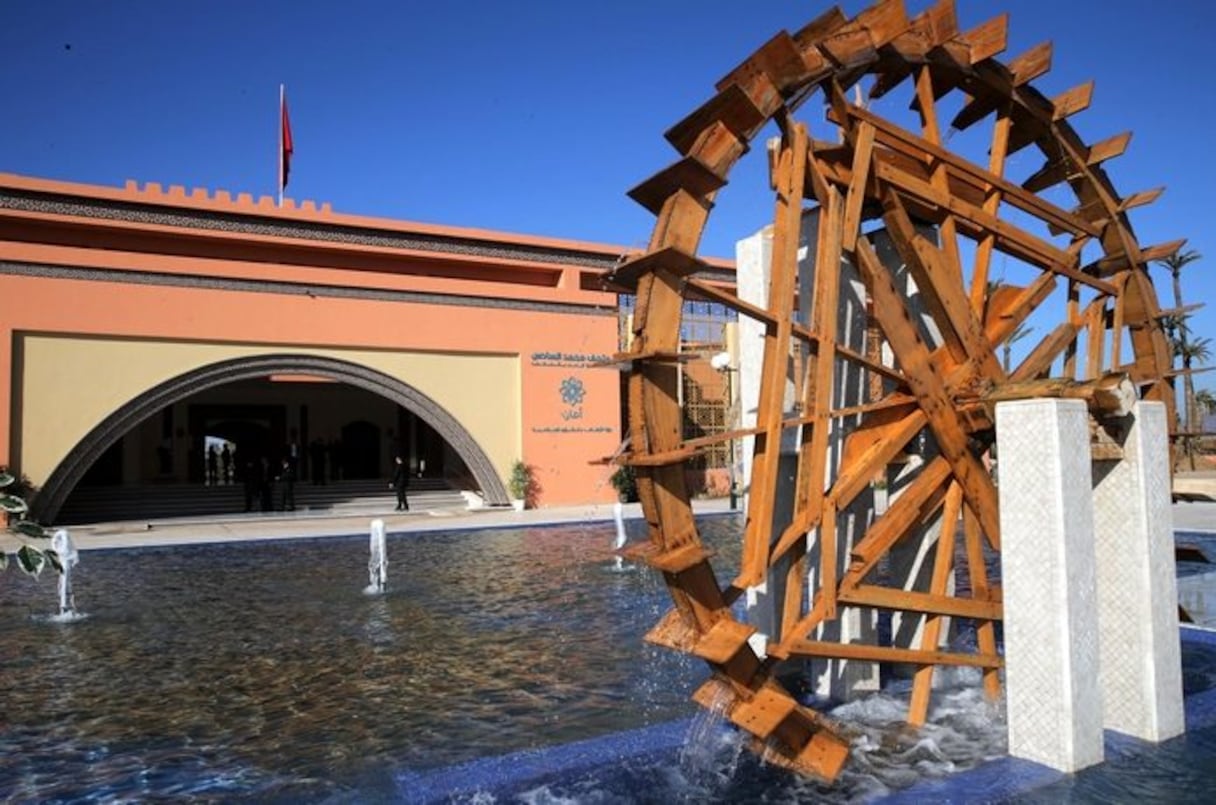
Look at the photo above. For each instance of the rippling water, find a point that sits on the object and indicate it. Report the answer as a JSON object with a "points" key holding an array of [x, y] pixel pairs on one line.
{"points": [[262, 671], [263, 668]]}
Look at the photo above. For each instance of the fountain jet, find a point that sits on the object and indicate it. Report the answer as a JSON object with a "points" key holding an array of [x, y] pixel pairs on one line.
{"points": [[62, 545], [377, 563]]}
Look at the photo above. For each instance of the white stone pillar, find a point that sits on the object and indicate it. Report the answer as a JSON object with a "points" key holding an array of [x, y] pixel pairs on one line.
{"points": [[753, 259], [1141, 654], [1054, 707]]}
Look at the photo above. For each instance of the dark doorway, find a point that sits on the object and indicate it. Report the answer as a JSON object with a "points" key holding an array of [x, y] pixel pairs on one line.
{"points": [[360, 450], [257, 431]]}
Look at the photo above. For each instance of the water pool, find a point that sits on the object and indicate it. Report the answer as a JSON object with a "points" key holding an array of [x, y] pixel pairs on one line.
{"points": [[261, 671]]}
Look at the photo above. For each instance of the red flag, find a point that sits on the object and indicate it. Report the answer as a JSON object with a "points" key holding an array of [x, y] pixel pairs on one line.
{"points": [[285, 146]]}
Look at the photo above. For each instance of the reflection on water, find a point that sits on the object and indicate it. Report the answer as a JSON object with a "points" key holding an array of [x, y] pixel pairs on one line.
{"points": [[200, 673]]}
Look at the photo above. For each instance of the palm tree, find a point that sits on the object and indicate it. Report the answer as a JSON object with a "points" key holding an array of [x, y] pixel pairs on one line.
{"points": [[1175, 263], [1191, 353], [1179, 337], [1205, 401]]}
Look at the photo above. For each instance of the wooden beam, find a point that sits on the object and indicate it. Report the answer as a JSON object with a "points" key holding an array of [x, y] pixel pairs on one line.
{"points": [[791, 176], [1071, 101], [1111, 395], [1141, 198], [943, 564], [978, 573], [986, 39], [885, 598], [860, 651]]}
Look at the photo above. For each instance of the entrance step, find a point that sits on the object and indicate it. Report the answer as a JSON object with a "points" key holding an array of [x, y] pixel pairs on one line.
{"points": [[101, 504]]}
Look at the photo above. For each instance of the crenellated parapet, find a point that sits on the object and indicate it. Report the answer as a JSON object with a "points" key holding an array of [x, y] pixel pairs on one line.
{"points": [[176, 194]]}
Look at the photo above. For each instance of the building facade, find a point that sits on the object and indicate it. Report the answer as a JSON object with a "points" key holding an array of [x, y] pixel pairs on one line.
{"points": [[145, 326]]}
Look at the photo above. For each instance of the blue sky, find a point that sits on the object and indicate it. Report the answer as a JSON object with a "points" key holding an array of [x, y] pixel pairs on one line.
{"points": [[534, 116]]}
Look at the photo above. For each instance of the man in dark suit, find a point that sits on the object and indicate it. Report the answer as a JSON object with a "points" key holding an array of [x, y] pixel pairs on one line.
{"points": [[287, 486], [401, 479]]}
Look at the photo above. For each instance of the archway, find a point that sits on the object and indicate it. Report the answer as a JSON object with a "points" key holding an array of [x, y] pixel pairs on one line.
{"points": [[67, 475]]}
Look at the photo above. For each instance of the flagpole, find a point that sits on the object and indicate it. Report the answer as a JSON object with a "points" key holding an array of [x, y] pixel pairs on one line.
{"points": [[282, 93]]}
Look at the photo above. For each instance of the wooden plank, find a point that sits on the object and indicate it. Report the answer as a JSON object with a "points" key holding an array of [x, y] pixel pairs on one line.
{"points": [[939, 175], [672, 631], [814, 451], [788, 219], [895, 400], [849, 48], [1032, 64], [884, 21], [723, 640], [860, 651], [828, 538], [689, 174], [731, 105], [1071, 101], [675, 560], [781, 60], [1000, 326], [763, 713], [986, 39], [823, 26], [857, 185], [672, 259], [943, 564], [1111, 395], [1109, 148], [991, 206], [1095, 340], [676, 456], [1140, 199], [628, 359], [985, 629], [886, 598]]}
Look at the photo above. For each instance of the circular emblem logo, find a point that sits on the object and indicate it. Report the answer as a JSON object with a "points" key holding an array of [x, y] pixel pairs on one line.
{"points": [[573, 391]]}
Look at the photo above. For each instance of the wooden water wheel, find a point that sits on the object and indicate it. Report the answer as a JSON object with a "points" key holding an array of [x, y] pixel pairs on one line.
{"points": [[905, 214]]}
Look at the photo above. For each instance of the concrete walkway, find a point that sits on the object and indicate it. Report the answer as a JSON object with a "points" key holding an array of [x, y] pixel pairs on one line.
{"points": [[302, 524], [296, 525]]}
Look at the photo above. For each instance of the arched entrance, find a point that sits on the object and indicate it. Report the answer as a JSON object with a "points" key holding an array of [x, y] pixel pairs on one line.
{"points": [[68, 474]]}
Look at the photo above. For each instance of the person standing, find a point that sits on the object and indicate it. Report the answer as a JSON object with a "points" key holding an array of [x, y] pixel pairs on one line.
{"points": [[265, 484], [287, 485], [401, 479], [213, 462], [251, 485]]}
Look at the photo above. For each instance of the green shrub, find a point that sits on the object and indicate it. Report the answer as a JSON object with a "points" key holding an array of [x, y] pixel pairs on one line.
{"points": [[521, 483], [625, 482]]}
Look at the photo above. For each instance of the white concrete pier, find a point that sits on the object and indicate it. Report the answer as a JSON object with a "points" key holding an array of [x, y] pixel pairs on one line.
{"points": [[1054, 707], [1141, 655]]}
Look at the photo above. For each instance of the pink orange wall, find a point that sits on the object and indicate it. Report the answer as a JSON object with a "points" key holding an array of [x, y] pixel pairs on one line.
{"points": [[549, 313]]}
